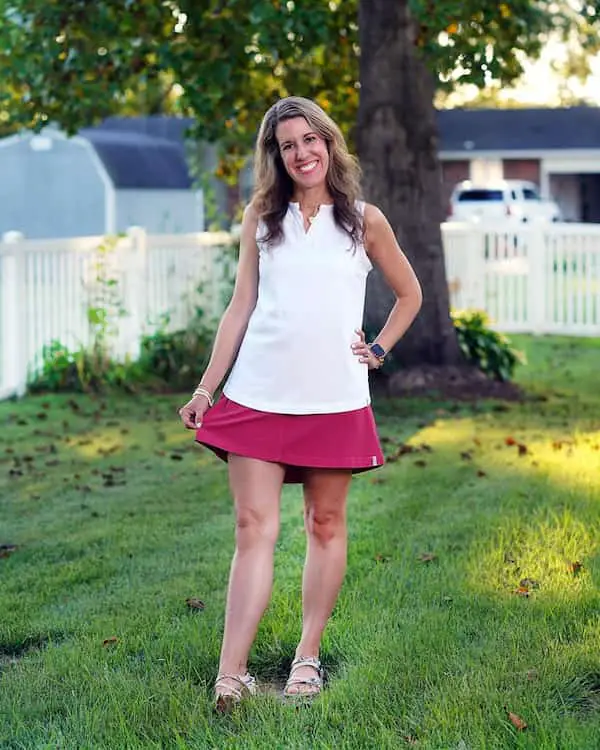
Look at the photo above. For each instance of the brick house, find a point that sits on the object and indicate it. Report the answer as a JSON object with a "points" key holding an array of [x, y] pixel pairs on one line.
{"points": [[558, 149]]}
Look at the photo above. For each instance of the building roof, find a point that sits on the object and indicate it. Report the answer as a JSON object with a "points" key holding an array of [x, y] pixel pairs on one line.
{"points": [[519, 129], [168, 127], [137, 160], [148, 152]]}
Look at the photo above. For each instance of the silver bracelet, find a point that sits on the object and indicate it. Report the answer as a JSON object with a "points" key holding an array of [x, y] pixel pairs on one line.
{"points": [[202, 391]]}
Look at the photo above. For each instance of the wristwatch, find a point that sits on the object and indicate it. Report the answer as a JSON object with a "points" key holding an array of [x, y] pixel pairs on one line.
{"points": [[378, 351]]}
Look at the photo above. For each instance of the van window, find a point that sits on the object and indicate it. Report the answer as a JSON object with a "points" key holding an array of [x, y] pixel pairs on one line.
{"points": [[530, 195], [480, 195]]}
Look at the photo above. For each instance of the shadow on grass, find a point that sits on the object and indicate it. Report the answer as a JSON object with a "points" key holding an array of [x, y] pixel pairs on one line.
{"points": [[18, 647]]}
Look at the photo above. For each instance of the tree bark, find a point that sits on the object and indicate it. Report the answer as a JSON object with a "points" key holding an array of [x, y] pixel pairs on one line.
{"points": [[397, 145]]}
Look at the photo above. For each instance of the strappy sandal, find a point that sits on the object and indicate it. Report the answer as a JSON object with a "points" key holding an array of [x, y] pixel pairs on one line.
{"points": [[315, 683], [231, 696]]}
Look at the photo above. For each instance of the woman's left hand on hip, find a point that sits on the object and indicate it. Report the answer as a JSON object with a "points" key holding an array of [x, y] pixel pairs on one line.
{"points": [[362, 350]]}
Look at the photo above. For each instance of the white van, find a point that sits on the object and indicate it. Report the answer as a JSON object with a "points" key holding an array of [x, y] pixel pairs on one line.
{"points": [[513, 200]]}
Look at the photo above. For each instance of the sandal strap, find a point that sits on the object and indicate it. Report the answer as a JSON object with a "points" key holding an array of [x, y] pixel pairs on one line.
{"points": [[245, 681], [305, 661]]}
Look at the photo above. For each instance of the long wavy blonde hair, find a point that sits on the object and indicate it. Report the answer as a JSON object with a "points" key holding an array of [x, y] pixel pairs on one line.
{"points": [[273, 187]]}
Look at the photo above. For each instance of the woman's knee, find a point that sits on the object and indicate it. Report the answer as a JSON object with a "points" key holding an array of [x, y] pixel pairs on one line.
{"points": [[255, 527], [325, 525]]}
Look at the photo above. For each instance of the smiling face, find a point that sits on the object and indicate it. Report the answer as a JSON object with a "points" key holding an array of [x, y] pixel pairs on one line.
{"points": [[303, 152]]}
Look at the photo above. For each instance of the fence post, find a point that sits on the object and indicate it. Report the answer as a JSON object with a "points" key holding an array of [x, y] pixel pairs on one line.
{"points": [[537, 278], [13, 379], [475, 269], [136, 290]]}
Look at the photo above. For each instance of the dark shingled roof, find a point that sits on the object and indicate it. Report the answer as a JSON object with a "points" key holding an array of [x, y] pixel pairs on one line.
{"points": [[519, 129], [148, 152], [158, 126], [136, 160]]}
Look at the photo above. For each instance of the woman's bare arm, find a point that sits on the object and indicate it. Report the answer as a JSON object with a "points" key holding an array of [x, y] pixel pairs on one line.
{"points": [[385, 253], [234, 321]]}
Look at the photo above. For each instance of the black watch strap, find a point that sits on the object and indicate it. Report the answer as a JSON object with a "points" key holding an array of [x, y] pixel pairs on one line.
{"points": [[378, 351]]}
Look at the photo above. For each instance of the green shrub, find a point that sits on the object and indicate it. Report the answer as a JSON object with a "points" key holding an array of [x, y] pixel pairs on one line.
{"points": [[59, 370], [82, 370], [168, 361], [176, 358], [489, 350]]}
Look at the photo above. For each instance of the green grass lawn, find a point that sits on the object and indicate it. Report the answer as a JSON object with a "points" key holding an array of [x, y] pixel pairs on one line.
{"points": [[472, 586]]}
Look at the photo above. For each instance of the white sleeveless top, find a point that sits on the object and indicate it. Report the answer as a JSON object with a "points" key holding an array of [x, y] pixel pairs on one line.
{"points": [[295, 357]]}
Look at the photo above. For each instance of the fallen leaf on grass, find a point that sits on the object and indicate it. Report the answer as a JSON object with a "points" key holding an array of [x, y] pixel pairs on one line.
{"points": [[529, 583], [382, 558], [517, 722], [510, 441], [176, 457], [110, 641], [466, 456], [532, 674], [421, 464], [575, 567], [523, 591], [410, 740], [110, 481], [194, 603], [523, 449], [426, 557], [481, 473], [7, 549]]}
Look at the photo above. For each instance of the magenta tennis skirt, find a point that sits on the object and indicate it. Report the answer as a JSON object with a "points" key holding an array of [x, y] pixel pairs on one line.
{"points": [[346, 440]]}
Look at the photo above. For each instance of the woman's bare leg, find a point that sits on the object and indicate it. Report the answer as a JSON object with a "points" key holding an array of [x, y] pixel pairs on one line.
{"points": [[325, 494], [256, 488]]}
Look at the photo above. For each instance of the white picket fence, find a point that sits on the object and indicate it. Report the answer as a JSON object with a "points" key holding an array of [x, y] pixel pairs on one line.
{"points": [[56, 290], [531, 279], [540, 279]]}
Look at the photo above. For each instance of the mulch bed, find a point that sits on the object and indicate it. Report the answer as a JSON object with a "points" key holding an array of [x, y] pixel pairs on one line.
{"points": [[459, 383]]}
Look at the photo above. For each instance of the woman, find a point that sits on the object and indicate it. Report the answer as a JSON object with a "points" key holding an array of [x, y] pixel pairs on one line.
{"points": [[295, 407]]}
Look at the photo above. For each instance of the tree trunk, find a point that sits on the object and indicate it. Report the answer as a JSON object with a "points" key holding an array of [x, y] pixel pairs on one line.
{"points": [[397, 144]]}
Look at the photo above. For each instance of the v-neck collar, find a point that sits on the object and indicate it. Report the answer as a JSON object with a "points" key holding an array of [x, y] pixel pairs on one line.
{"points": [[306, 231]]}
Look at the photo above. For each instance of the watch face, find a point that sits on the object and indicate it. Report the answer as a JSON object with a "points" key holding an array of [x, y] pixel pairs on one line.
{"points": [[378, 350]]}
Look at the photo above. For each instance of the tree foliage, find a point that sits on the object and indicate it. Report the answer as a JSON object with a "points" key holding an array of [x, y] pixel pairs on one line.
{"points": [[224, 62]]}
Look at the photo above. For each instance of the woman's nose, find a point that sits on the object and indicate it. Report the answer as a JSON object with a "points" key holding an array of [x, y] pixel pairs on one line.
{"points": [[301, 152]]}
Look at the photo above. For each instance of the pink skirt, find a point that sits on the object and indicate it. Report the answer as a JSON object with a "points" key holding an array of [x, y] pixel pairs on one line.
{"points": [[347, 440]]}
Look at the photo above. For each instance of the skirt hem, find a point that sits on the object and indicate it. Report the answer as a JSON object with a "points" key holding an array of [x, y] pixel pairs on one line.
{"points": [[293, 466]]}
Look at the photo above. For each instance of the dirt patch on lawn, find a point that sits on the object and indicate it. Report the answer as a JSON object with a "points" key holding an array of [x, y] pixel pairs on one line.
{"points": [[11, 652], [459, 383]]}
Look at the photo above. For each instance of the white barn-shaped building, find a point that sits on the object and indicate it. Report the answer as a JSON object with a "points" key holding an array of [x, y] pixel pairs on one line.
{"points": [[100, 181]]}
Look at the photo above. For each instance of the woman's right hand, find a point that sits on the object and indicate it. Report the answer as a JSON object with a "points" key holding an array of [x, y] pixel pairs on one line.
{"points": [[193, 412]]}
